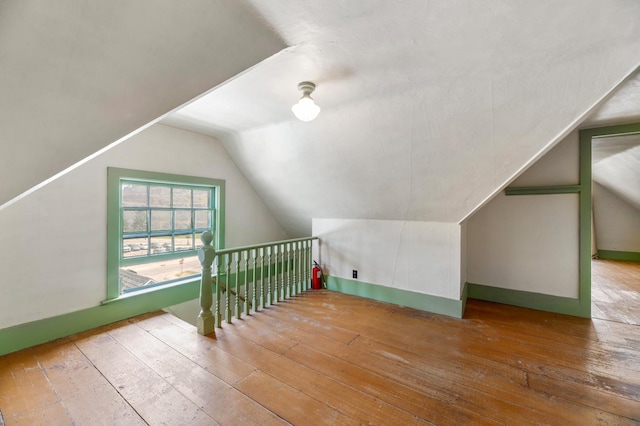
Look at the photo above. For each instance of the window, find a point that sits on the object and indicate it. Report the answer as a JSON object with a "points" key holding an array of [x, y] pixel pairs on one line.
{"points": [[154, 225]]}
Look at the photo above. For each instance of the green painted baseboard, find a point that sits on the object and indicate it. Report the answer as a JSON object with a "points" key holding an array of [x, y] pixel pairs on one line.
{"points": [[34, 333], [619, 255], [129, 305], [525, 299], [424, 302]]}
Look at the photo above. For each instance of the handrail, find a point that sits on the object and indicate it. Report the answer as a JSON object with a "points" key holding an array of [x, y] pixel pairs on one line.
{"points": [[258, 275], [240, 248]]}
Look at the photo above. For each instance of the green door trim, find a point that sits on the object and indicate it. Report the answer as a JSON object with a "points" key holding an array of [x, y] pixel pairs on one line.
{"points": [[582, 305], [586, 139]]}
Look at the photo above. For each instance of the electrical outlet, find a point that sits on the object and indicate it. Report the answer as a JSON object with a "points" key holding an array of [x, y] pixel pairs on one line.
{"points": [[355, 273]]}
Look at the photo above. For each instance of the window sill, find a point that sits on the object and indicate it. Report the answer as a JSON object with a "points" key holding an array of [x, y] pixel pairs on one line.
{"points": [[172, 287]]}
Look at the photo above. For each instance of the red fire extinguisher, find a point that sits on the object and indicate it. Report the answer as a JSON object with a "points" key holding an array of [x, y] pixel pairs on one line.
{"points": [[316, 280]]}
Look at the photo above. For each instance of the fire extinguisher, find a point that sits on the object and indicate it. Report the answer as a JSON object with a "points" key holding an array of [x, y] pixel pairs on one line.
{"points": [[317, 278]]}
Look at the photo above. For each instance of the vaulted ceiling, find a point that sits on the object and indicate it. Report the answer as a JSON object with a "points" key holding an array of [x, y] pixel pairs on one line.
{"points": [[616, 166], [429, 107]]}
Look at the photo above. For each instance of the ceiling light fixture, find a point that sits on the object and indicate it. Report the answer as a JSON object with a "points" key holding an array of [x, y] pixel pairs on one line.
{"points": [[306, 109]]}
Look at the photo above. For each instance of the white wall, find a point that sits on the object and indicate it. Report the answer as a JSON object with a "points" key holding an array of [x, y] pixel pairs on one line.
{"points": [[423, 257], [53, 242], [617, 223], [530, 242]]}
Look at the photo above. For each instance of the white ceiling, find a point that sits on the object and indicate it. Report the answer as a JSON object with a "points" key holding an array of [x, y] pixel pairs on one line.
{"points": [[622, 106], [428, 108], [616, 166]]}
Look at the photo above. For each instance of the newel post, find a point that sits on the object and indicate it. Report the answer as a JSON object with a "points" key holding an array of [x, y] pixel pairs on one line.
{"points": [[206, 255]]}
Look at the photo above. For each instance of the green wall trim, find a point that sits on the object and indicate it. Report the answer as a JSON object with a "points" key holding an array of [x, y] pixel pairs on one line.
{"points": [[584, 226], [619, 255], [125, 306], [586, 137], [622, 129], [525, 299], [411, 299], [45, 330], [543, 190], [464, 297]]}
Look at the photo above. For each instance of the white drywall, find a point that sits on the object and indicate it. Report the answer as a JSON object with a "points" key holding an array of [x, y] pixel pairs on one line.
{"points": [[53, 242], [527, 243], [423, 257], [616, 222], [530, 242]]}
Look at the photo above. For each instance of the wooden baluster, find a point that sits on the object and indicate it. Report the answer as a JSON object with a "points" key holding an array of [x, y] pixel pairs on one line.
{"points": [[301, 268], [269, 300], [254, 300], [238, 257], [305, 265], [220, 269], [262, 278], [282, 293], [227, 294], [287, 248], [309, 265], [206, 256], [294, 270], [246, 282], [283, 282], [274, 256]]}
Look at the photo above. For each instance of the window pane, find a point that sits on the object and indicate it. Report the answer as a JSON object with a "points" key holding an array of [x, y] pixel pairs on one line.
{"points": [[201, 198], [184, 242], [161, 245], [203, 219], [181, 197], [134, 195], [126, 250], [132, 247], [182, 219], [160, 196], [160, 220], [134, 277], [134, 221]]}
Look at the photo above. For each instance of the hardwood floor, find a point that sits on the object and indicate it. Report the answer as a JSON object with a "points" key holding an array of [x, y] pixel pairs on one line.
{"points": [[615, 290], [329, 358]]}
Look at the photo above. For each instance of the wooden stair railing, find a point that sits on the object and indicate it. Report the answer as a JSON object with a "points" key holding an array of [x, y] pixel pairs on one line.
{"points": [[257, 275]]}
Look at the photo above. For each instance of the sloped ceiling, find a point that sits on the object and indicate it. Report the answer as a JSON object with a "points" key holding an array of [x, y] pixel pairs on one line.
{"points": [[616, 166], [621, 107], [428, 108], [78, 75]]}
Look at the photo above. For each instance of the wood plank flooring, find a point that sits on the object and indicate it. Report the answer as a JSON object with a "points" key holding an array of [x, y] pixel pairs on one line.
{"points": [[329, 358], [615, 290]]}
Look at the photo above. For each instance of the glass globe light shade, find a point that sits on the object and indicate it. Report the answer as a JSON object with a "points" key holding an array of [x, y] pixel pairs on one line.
{"points": [[305, 109]]}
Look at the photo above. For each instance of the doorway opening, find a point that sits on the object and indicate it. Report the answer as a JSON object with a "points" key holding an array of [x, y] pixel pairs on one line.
{"points": [[615, 222]]}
